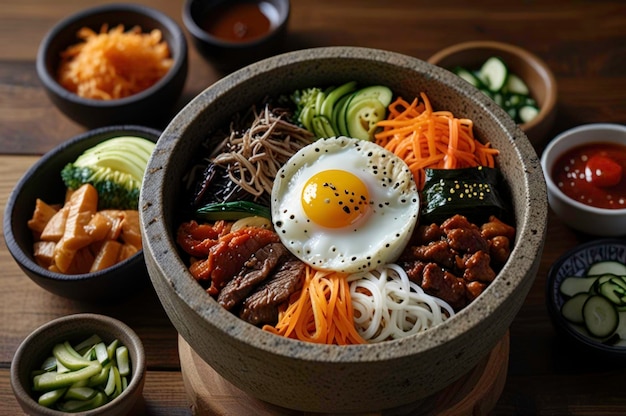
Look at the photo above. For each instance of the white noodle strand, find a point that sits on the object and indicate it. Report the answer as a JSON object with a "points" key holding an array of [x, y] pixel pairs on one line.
{"points": [[387, 305]]}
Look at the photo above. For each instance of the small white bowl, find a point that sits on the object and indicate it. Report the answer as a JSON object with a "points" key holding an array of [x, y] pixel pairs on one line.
{"points": [[585, 218]]}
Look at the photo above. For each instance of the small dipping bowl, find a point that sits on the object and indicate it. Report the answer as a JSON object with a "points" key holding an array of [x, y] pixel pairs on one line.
{"points": [[604, 222], [37, 346], [232, 34]]}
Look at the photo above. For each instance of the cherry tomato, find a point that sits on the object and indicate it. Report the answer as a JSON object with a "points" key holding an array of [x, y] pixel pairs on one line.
{"points": [[602, 171]]}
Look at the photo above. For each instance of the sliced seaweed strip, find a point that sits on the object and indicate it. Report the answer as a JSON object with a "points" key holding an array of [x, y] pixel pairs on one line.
{"points": [[475, 192]]}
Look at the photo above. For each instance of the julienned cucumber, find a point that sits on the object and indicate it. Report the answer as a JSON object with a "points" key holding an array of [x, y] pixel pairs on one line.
{"points": [[597, 301], [84, 376], [504, 87], [346, 110]]}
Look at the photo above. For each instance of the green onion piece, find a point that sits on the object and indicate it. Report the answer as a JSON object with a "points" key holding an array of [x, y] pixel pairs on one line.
{"points": [[232, 211]]}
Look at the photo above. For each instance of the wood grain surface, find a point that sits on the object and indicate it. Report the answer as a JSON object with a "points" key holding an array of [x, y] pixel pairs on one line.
{"points": [[584, 42]]}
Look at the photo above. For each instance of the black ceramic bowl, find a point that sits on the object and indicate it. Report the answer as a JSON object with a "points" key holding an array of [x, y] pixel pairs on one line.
{"points": [[37, 346], [148, 107], [576, 263], [43, 180], [225, 51]]}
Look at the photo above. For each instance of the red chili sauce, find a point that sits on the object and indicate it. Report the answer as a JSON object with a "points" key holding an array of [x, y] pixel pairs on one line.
{"points": [[237, 21], [593, 174]]}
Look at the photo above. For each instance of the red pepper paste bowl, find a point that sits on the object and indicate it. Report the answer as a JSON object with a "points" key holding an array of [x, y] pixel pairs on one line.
{"points": [[590, 195]]}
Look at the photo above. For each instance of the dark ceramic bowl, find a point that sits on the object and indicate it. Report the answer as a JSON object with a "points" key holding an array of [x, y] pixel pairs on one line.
{"points": [[228, 53], [75, 328], [43, 180], [148, 107], [576, 263], [529, 67], [332, 378]]}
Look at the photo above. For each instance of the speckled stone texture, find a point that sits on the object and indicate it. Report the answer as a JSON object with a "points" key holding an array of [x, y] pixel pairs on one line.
{"points": [[316, 378]]}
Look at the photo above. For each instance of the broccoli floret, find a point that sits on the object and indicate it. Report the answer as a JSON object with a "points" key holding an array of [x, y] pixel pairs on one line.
{"points": [[116, 190]]}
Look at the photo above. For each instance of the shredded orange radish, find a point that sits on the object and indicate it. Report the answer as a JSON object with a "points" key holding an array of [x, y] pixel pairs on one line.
{"points": [[424, 138], [321, 313], [114, 64]]}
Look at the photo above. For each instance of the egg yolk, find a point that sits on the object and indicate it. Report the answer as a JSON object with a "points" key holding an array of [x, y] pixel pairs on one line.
{"points": [[335, 198]]}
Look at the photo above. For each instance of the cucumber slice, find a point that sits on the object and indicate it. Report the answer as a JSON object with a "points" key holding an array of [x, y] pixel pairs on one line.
{"points": [[608, 266], [515, 85], [571, 286], [600, 316], [51, 397], [73, 406], [620, 281], [621, 327], [123, 361], [52, 380], [612, 292], [66, 355], [493, 73], [527, 113], [468, 76], [572, 309], [80, 393]]}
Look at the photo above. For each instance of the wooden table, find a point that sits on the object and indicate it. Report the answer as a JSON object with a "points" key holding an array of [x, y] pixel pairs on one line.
{"points": [[584, 41]]}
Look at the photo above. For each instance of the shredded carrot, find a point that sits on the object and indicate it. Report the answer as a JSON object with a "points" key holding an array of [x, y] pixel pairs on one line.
{"points": [[321, 312], [424, 138], [114, 64]]}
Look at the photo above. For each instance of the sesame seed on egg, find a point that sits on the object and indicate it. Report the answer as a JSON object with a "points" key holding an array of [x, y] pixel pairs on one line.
{"points": [[344, 204]]}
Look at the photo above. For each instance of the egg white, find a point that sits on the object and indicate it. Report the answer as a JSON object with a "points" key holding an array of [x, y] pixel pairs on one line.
{"points": [[377, 239]]}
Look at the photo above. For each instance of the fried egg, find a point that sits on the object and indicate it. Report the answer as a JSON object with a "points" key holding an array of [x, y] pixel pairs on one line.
{"points": [[345, 205]]}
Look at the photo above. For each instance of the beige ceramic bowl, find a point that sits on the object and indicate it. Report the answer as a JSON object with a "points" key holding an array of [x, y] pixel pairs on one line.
{"points": [[579, 216], [327, 378], [74, 328], [528, 66]]}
